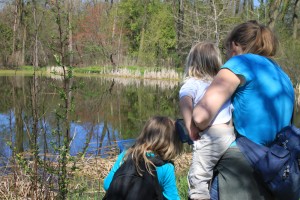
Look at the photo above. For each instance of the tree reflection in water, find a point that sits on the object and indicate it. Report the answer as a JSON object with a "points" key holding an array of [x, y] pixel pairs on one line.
{"points": [[107, 111]]}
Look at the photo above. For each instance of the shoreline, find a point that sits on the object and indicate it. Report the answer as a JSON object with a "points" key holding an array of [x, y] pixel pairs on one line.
{"points": [[89, 171], [122, 72]]}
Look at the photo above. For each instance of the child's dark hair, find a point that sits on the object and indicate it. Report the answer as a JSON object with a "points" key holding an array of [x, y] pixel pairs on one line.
{"points": [[159, 137]]}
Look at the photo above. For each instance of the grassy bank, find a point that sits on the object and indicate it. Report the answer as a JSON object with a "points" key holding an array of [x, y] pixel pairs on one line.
{"points": [[86, 182], [89, 179], [126, 71]]}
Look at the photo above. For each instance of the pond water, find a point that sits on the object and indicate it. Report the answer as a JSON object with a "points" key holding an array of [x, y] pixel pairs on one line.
{"points": [[108, 112]]}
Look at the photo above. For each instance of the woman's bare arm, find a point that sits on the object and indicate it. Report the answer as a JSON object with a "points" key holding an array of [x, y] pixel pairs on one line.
{"points": [[220, 90]]}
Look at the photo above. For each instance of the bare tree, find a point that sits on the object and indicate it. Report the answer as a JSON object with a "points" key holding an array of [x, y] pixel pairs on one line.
{"points": [[204, 21], [218, 11], [277, 10], [295, 19], [34, 99], [62, 13], [15, 28], [70, 32]]}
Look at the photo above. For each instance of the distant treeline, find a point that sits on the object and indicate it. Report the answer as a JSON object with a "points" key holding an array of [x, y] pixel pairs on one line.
{"points": [[134, 32]]}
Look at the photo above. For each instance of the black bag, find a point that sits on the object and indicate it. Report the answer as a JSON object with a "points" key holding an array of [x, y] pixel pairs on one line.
{"points": [[277, 165], [182, 132], [127, 184]]}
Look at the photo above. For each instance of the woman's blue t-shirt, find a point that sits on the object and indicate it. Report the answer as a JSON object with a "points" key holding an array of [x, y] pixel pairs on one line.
{"points": [[263, 105]]}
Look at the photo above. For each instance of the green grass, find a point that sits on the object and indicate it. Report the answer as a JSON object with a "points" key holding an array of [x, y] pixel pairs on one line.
{"points": [[90, 70], [182, 184], [14, 72], [84, 188], [30, 68], [26, 68]]}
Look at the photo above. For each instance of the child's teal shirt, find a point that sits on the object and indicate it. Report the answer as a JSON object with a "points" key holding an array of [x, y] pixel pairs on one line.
{"points": [[165, 174]]}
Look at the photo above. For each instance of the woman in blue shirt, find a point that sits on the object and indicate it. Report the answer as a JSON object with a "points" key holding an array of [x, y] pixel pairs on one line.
{"points": [[263, 98]]}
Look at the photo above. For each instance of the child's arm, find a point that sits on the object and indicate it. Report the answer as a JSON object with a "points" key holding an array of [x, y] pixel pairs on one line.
{"points": [[112, 172], [186, 108], [167, 180]]}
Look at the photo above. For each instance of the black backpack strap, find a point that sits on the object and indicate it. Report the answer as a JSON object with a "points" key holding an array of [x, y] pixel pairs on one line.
{"points": [[293, 113], [158, 161], [158, 189], [292, 118]]}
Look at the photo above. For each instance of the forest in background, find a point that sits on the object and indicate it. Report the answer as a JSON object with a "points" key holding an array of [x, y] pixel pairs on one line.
{"points": [[146, 33], [115, 34]]}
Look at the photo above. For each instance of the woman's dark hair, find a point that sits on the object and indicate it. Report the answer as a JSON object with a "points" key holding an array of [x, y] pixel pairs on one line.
{"points": [[253, 38]]}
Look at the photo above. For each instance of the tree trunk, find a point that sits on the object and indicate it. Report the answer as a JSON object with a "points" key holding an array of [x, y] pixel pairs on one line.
{"points": [[274, 13], [23, 51], [240, 6], [15, 26], [285, 6], [17, 19], [295, 19], [180, 20], [141, 46], [22, 36], [235, 7], [142, 33], [215, 20], [67, 76], [70, 32], [19, 127], [34, 102]]}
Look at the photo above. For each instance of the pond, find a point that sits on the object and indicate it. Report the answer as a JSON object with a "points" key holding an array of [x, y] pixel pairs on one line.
{"points": [[108, 112]]}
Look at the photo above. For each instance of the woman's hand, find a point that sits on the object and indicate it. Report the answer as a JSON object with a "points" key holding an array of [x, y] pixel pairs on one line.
{"points": [[193, 131]]}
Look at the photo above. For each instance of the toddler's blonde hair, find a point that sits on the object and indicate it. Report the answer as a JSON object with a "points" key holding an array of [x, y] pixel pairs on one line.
{"points": [[203, 61]]}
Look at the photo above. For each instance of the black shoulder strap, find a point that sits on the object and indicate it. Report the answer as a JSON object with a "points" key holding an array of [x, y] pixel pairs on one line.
{"points": [[157, 160], [158, 189], [292, 119], [293, 113]]}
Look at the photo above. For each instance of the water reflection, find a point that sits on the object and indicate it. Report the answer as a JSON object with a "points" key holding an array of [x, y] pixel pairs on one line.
{"points": [[162, 84], [107, 111]]}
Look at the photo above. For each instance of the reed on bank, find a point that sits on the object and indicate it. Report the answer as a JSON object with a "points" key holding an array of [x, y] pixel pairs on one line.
{"points": [[85, 182], [124, 71]]}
